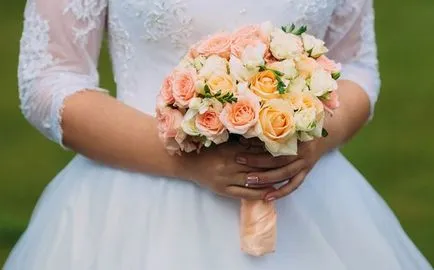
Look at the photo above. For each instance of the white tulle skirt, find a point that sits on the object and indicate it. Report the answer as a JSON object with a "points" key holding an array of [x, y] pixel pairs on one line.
{"points": [[96, 217]]}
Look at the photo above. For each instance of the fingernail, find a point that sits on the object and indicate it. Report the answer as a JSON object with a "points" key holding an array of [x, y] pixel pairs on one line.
{"points": [[270, 199], [241, 160], [251, 179]]}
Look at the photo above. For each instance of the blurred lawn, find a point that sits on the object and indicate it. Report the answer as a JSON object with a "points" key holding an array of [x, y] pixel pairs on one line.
{"points": [[395, 152]]}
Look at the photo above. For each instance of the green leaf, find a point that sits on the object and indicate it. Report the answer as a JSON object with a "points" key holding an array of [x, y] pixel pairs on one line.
{"points": [[324, 133], [262, 68], [300, 30], [336, 75]]}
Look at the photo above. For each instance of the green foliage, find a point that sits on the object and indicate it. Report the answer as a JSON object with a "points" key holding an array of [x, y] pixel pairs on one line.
{"points": [[223, 98]]}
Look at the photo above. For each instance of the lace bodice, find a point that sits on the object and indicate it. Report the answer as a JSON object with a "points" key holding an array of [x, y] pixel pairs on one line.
{"points": [[62, 38]]}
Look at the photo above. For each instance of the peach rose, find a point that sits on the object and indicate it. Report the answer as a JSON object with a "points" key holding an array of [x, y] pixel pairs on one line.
{"points": [[166, 90], [221, 82], [242, 115], [184, 87], [169, 122], [306, 66], [211, 127], [310, 101], [219, 44], [264, 84], [328, 64], [240, 44], [276, 127], [250, 35], [332, 101]]}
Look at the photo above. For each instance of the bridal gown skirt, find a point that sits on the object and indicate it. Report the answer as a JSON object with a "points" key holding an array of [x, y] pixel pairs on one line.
{"points": [[96, 217]]}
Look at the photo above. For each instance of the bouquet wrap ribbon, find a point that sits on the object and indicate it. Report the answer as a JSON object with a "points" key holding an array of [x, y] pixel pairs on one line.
{"points": [[258, 227]]}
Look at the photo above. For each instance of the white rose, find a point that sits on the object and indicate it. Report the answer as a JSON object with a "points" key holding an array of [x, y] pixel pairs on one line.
{"points": [[267, 28], [198, 62], [298, 85], [285, 45], [253, 56], [200, 87], [305, 119], [213, 65], [188, 124], [313, 45], [239, 72], [322, 82], [195, 103], [305, 137], [287, 67]]}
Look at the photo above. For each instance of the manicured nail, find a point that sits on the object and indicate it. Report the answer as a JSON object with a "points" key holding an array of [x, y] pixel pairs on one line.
{"points": [[251, 179], [241, 160], [270, 199]]}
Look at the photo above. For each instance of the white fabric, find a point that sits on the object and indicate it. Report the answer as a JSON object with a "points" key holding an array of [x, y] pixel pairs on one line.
{"points": [[93, 216]]}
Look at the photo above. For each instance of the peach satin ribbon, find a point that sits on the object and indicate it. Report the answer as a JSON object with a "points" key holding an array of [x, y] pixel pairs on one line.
{"points": [[258, 227]]}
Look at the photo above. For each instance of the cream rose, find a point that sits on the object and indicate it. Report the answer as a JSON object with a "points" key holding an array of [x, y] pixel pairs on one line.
{"points": [[253, 56], [264, 84], [239, 72], [287, 67], [213, 65], [276, 127], [223, 83], [306, 66], [298, 85], [285, 45], [241, 116], [184, 87], [188, 124], [314, 46], [305, 119], [219, 44], [321, 82]]}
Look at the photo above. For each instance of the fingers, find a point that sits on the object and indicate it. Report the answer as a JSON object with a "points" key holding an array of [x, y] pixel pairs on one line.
{"points": [[247, 193], [264, 160], [288, 188], [282, 174]]}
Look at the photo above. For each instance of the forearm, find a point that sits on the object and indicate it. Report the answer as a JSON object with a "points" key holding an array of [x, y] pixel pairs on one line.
{"points": [[349, 118], [104, 129]]}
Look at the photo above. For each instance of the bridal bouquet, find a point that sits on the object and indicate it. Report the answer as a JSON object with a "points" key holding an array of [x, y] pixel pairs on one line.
{"points": [[260, 81]]}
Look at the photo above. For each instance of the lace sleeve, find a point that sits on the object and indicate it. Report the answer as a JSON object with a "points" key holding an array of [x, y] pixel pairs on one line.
{"points": [[351, 39], [59, 51]]}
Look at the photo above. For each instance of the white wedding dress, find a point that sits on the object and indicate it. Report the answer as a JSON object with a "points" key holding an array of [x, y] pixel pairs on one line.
{"points": [[92, 216]]}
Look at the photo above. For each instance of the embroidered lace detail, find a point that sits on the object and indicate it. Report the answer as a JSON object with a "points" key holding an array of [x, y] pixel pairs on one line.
{"points": [[34, 56], [368, 46], [122, 52], [88, 16], [163, 19], [315, 14]]}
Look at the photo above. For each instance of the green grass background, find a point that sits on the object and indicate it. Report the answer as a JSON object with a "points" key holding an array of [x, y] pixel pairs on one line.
{"points": [[395, 152]]}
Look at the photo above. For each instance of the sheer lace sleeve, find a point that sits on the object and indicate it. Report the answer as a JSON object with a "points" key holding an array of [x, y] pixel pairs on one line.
{"points": [[59, 52], [351, 39]]}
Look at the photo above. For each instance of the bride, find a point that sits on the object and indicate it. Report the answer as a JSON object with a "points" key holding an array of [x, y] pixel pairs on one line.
{"points": [[124, 203]]}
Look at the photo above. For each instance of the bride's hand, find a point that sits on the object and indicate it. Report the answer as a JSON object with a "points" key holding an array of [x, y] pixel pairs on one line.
{"points": [[292, 169], [216, 169]]}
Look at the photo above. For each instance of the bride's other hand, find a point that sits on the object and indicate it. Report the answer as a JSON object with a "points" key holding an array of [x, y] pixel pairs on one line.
{"points": [[216, 169], [290, 169]]}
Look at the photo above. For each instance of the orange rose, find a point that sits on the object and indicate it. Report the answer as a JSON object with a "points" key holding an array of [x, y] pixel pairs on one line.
{"points": [[264, 84], [276, 127], [219, 44]]}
